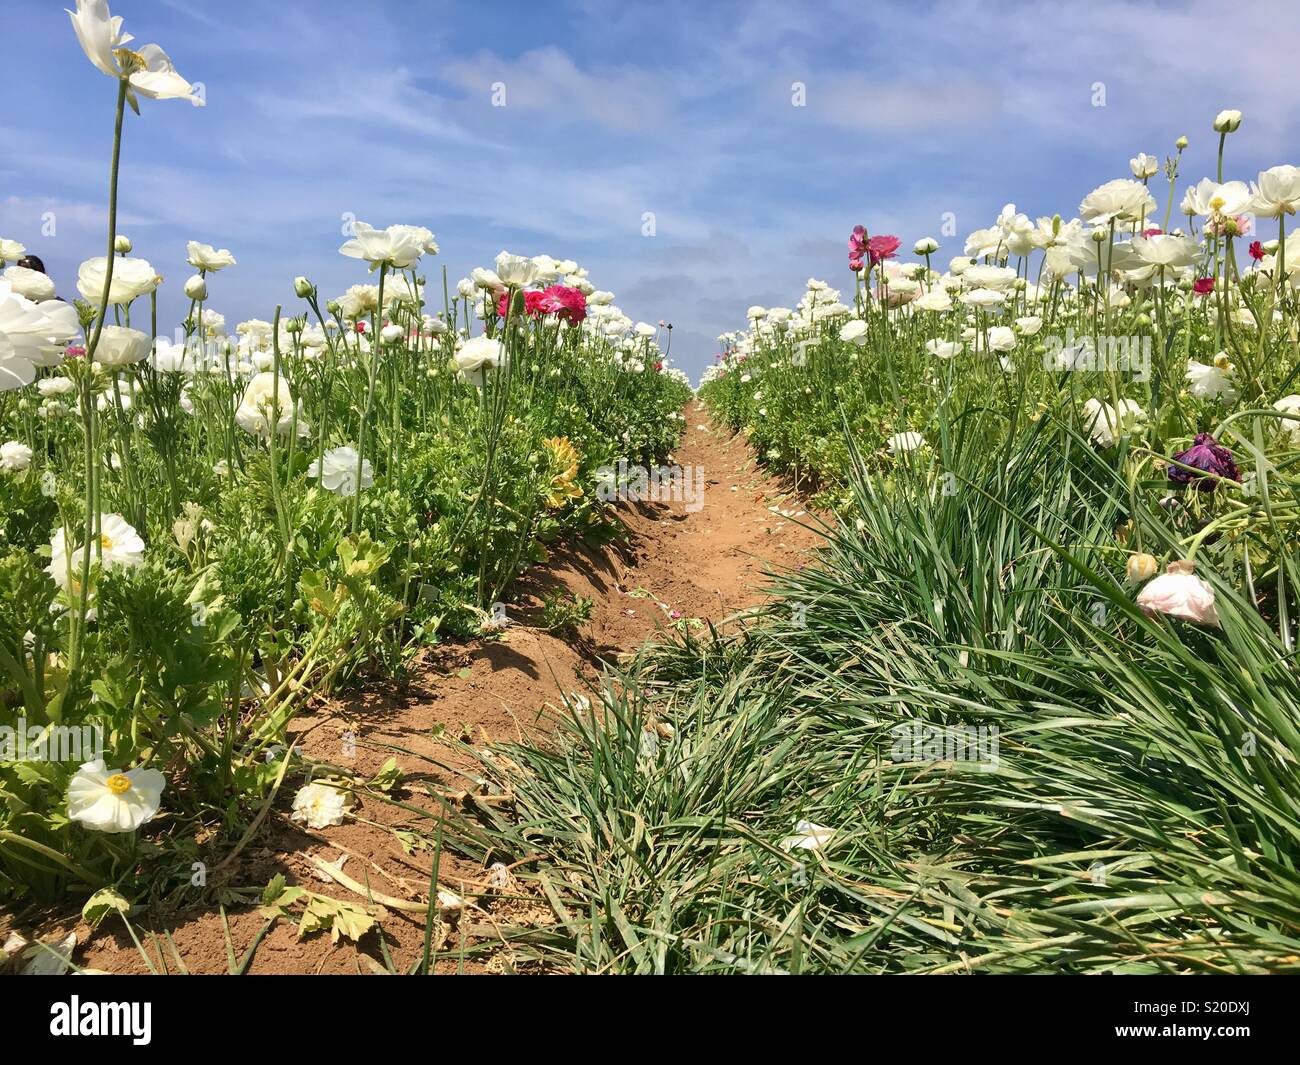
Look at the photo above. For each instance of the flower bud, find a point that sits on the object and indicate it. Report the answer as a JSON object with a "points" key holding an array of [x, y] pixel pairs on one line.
{"points": [[1141, 567], [925, 246], [334, 307], [1227, 121], [391, 333], [303, 288], [122, 245], [1180, 143], [196, 288]]}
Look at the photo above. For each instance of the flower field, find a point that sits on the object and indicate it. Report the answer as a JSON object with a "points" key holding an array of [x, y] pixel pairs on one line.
{"points": [[206, 530], [1034, 706], [948, 627]]}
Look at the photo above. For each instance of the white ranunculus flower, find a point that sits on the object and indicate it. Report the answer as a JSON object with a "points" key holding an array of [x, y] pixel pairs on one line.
{"points": [[132, 278], [1000, 338], [120, 346], [1106, 426], [517, 271], [985, 298], [1278, 191], [1209, 382], [900, 443], [1291, 426], [808, 836], [55, 386], [118, 545], [477, 356], [31, 335], [1030, 325], [357, 302], [1165, 249], [206, 257], [937, 299], [11, 251], [397, 246], [943, 349], [147, 69], [263, 406], [15, 456], [1144, 166], [114, 800], [1123, 200], [171, 358], [30, 284], [983, 242], [196, 288], [854, 331], [486, 279], [337, 471], [925, 246], [1208, 198], [997, 278], [320, 805]]}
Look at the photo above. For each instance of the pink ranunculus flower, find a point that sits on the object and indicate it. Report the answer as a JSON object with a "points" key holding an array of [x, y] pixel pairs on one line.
{"points": [[532, 304], [882, 248], [568, 303], [857, 247], [1179, 593]]}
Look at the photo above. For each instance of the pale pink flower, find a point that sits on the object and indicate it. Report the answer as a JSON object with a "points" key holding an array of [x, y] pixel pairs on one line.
{"points": [[1179, 593]]}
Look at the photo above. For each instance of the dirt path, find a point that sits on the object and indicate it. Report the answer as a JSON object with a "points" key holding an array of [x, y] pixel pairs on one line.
{"points": [[679, 562]]}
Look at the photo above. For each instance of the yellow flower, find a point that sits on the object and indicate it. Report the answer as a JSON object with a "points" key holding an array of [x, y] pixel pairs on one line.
{"points": [[564, 460]]}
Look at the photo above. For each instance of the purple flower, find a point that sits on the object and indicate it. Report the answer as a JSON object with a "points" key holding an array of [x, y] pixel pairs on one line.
{"points": [[1208, 455]]}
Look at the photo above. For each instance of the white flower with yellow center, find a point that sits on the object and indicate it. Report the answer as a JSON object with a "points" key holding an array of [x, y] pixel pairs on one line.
{"points": [[320, 805], [110, 800], [147, 69]]}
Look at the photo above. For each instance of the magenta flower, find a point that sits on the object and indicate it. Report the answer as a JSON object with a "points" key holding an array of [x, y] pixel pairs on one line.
{"points": [[568, 303], [857, 247], [882, 248]]}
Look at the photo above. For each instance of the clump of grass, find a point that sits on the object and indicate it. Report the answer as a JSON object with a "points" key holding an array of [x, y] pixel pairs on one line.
{"points": [[1143, 814]]}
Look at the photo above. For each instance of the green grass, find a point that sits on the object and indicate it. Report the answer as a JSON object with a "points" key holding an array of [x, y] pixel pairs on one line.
{"points": [[1144, 815]]}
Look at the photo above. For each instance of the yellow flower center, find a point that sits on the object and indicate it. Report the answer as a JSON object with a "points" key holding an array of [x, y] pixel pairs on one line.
{"points": [[119, 783], [129, 60], [106, 542], [1217, 203]]}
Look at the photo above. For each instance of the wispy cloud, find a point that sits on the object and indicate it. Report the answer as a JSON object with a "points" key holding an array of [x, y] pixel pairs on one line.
{"points": [[679, 110]]}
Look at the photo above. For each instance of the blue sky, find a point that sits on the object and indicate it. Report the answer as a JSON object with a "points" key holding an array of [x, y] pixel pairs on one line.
{"points": [[320, 109]]}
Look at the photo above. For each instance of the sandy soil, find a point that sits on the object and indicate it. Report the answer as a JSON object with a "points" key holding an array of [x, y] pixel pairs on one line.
{"points": [[677, 563]]}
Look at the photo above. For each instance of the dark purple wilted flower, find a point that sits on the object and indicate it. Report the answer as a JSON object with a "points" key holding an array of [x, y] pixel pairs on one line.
{"points": [[1208, 455]]}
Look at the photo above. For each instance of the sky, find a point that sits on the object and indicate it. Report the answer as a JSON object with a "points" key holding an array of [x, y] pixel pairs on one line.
{"points": [[696, 157]]}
